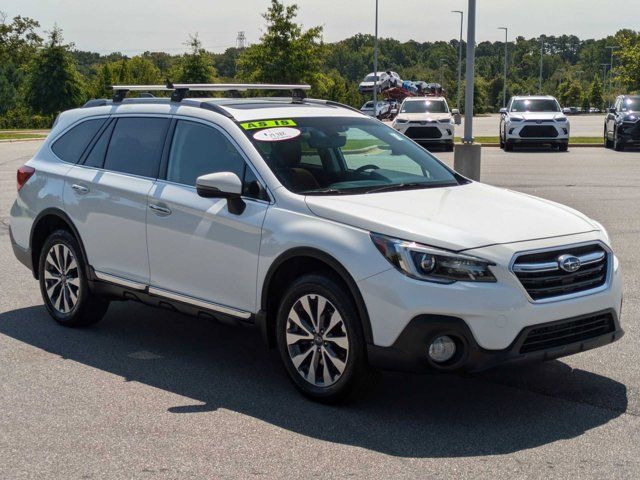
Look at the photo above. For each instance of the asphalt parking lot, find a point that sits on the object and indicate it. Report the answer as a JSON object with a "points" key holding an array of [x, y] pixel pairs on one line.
{"points": [[152, 394]]}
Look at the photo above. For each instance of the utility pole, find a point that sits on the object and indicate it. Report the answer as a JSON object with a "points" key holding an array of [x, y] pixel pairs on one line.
{"points": [[604, 81], [467, 156], [504, 87], [459, 58], [442, 62], [375, 67], [541, 58]]}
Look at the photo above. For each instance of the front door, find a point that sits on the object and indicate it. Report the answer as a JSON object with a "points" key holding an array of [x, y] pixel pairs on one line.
{"points": [[197, 248]]}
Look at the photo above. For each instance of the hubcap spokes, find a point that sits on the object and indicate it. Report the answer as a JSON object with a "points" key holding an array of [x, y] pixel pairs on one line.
{"points": [[317, 340], [61, 278]]}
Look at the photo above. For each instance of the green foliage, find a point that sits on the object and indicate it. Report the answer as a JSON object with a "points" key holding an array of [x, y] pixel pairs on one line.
{"points": [[569, 93], [53, 84], [285, 54], [196, 66], [595, 93]]}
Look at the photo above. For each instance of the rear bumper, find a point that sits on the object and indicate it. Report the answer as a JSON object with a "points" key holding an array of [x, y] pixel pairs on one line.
{"points": [[22, 254], [409, 351]]}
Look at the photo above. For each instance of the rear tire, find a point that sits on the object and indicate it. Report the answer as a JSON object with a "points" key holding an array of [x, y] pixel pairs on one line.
{"points": [[321, 341], [63, 283]]}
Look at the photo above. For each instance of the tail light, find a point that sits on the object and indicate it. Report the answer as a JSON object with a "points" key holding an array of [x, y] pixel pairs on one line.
{"points": [[24, 173]]}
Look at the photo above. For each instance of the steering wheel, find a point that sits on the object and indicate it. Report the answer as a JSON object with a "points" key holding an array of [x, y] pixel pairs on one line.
{"points": [[366, 167]]}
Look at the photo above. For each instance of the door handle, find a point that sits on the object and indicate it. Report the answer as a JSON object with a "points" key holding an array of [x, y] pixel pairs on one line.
{"points": [[163, 211], [81, 189]]}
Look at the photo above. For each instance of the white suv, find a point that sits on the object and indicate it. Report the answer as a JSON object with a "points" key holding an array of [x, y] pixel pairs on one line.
{"points": [[344, 242], [428, 120], [533, 120]]}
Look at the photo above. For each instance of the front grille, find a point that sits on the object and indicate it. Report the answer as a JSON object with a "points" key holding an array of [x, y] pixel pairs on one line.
{"points": [[633, 130], [542, 277], [538, 131], [539, 121], [423, 132], [567, 332]]}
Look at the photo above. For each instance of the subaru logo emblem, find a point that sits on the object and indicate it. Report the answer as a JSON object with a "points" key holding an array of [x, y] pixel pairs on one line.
{"points": [[569, 263]]}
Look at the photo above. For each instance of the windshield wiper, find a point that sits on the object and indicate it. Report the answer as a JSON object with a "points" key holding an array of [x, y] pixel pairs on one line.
{"points": [[409, 185], [322, 191]]}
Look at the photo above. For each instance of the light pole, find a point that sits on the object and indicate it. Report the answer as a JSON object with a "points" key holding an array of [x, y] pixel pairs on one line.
{"points": [[459, 58], [504, 87], [612, 48], [442, 62], [604, 81], [541, 57], [467, 156], [375, 67]]}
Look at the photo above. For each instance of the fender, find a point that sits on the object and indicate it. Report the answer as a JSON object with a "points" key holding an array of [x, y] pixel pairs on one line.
{"points": [[65, 218], [336, 266]]}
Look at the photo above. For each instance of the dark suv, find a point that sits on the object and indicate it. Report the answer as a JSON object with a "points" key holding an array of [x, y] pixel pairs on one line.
{"points": [[622, 125]]}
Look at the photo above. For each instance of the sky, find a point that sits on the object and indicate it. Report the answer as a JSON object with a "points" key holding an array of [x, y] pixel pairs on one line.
{"points": [[134, 26]]}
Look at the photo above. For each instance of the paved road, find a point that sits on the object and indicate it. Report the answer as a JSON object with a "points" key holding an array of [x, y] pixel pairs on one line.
{"points": [[151, 394]]}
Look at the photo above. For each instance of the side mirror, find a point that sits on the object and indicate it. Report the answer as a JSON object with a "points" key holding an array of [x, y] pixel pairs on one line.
{"points": [[503, 111], [457, 118], [611, 110], [222, 185]]}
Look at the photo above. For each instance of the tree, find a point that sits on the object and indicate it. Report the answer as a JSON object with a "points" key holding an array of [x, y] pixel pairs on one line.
{"points": [[196, 66], [53, 84], [629, 59], [285, 54], [595, 93], [569, 93]]}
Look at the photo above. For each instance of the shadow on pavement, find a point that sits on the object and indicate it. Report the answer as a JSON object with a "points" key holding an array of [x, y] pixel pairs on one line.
{"points": [[406, 415]]}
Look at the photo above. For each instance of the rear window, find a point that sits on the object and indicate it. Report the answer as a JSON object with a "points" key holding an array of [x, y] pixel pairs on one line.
{"points": [[136, 146], [70, 146]]}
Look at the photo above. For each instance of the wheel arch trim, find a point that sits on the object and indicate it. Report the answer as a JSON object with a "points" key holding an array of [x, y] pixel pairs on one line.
{"points": [[331, 262]]}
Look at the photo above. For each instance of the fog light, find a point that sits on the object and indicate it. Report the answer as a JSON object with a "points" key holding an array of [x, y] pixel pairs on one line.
{"points": [[442, 349]]}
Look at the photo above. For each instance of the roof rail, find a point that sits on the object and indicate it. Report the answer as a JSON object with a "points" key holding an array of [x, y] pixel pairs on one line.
{"points": [[180, 90]]}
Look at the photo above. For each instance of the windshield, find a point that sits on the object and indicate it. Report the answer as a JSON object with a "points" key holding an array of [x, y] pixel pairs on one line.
{"points": [[631, 104], [333, 155], [535, 105], [426, 106]]}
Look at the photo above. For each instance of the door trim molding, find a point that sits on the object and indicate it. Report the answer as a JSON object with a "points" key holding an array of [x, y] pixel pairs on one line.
{"points": [[199, 303], [107, 277]]}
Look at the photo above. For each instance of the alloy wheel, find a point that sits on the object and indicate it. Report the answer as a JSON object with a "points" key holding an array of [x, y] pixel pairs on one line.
{"points": [[317, 340], [61, 278]]}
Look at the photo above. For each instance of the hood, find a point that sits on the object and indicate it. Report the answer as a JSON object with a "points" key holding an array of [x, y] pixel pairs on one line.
{"points": [[421, 117], [537, 115], [454, 218]]}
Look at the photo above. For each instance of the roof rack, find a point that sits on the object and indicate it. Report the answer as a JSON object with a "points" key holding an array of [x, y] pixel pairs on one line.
{"points": [[180, 90]]}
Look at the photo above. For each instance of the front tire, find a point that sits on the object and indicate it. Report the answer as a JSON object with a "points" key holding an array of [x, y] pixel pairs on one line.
{"points": [[321, 341], [63, 283], [618, 146], [607, 143]]}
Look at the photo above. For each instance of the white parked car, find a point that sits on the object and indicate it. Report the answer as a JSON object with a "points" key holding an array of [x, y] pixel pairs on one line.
{"points": [[385, 80], [347, 244], [427, 120], [533, 120], [383, 109]]}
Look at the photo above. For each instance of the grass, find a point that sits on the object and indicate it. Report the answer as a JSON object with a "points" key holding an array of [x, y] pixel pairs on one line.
{"points": [[496, 139], [20, 135]]}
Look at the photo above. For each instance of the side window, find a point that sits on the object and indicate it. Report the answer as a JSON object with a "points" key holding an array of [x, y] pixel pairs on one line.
{"points": [[136, 146], [70, 146], [99, 150], [198, 149]]}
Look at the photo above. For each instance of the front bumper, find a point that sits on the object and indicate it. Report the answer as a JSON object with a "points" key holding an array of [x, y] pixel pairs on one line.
{"points": [[409, 351], [531, 132], [629, 133], [427, 132]]}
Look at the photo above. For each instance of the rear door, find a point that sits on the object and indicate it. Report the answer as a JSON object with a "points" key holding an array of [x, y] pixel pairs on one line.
{"points": [[199, 251], [106, 196]]}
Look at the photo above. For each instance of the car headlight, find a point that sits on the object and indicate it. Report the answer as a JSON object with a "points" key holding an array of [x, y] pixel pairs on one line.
{"points": [[432, 264], [401, 120], [630, 118], [445, 120], [560, 119], [516, 119]]}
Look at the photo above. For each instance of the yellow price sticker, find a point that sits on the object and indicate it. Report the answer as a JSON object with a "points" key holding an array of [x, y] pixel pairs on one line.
{"points": [[285, 122]]}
